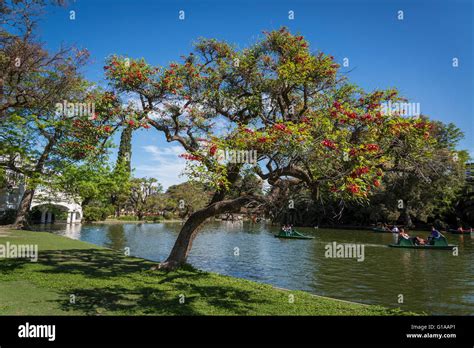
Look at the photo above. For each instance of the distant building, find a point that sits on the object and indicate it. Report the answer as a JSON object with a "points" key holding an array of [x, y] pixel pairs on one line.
{"points": [[46, 202]]}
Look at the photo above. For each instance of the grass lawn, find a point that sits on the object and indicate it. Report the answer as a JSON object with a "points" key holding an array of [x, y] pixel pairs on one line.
{"points": [[107, 283]]}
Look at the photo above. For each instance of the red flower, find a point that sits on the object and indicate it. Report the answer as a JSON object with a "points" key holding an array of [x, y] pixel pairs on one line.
{"points": [[213, 149], [328, 143], [359, 171], [249, 131], [352, 115], [353, 188], [280, 126], [372, 147], [107, 129], [190, 157], [262, 140], [376, 183], [304, 119], [131, 122]]}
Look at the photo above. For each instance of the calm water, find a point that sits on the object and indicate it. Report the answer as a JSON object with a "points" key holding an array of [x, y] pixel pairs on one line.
{"points": [[433, 281]]}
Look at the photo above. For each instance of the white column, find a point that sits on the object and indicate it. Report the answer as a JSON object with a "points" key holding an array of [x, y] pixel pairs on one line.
{"points": [[73, 217], [68, 217], [49, 219], [43, 216]]}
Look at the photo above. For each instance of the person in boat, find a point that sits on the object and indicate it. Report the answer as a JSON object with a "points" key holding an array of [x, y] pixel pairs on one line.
{"points": [[287, 230], [395, 229], [435, 234], [460, 229], [419, 241], [403, 235], [291, 230]]}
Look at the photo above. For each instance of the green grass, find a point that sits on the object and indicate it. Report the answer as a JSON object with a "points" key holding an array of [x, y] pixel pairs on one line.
{"points": [[107, 283]]}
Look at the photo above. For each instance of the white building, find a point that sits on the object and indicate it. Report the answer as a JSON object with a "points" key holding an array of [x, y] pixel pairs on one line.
{"points": [[47, 202]]}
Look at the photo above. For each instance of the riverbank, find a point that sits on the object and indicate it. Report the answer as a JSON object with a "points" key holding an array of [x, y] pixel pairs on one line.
{"points": [[77, 278], [117, 221]]}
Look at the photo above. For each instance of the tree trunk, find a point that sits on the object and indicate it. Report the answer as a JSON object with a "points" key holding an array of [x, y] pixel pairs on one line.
{"points": [[184, 242], [408, 221], [24, 207], [27, 198]]}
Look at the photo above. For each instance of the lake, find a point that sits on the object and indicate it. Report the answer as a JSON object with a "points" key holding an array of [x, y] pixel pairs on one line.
{"points": [[430, 281]]}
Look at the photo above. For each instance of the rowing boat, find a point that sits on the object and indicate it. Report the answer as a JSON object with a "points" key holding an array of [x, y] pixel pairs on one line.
{"points": [[438, 243], [460, 232], [292, 235]]}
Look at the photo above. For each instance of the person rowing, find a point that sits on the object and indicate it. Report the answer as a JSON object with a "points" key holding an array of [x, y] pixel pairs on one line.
{"points": [[460, 229], [287, 229], [435, 234], [395, 229]]}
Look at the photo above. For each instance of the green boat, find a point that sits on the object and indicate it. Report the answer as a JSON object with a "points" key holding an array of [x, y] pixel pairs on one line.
{"points": [[453, 231], [438, 243], [292, 235]]}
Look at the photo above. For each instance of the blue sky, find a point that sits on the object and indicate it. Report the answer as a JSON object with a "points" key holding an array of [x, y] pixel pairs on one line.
{"points": [[414, 54]]}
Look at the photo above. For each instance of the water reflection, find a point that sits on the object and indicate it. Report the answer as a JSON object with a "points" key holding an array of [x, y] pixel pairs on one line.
{"points": [[431, 281]]}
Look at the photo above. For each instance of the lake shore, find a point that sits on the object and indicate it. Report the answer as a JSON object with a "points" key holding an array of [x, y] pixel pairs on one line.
{"points": [[104, 282], [116, 221]]}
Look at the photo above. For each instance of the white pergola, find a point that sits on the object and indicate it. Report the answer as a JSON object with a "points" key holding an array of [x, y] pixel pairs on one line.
{"points": [[44, 200]]}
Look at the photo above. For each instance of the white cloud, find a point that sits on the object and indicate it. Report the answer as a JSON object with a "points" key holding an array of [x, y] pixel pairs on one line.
{"points": [[167, 165]]}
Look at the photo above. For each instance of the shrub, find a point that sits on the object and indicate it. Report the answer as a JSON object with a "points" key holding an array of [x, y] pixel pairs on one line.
{"points": [[168, 215], [7, 217], [92, 213], [127, 218], [156, 218]]}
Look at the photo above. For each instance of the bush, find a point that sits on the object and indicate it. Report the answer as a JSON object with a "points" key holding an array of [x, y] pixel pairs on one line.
{"points": [[92, 213], [168, 216], [156, 218], [127, 218], [7, 217]]}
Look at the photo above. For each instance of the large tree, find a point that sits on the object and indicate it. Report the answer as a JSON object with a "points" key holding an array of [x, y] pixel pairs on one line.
{"points": [[39, 143], [144, 195], [30, 76], [308, 125]]}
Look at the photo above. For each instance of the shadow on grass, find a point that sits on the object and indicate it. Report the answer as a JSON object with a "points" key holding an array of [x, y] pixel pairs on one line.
{"points": [[118, 300], [11, 265], [148, 300], [131, 288], [94, 263]]}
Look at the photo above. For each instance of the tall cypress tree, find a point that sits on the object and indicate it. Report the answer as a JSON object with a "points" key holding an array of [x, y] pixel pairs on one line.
{"points": [[123, 169]]}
